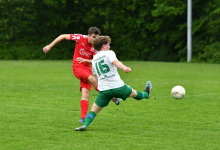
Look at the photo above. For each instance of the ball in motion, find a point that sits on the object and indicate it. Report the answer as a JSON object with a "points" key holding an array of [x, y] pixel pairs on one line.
{"points": [[178, 92]]}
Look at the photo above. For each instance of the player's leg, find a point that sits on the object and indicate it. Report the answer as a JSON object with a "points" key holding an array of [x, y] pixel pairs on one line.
{"points": [[84, 104], [93, 80], [82, 73], [90, 117], [140, 95], [126, 91], [101, 101]]}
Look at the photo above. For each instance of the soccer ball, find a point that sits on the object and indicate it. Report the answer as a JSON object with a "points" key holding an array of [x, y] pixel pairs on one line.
{"points": [[178, 92]]}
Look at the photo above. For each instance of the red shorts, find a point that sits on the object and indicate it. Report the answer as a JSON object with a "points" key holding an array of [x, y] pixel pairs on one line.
{"points": [[82, 73]]}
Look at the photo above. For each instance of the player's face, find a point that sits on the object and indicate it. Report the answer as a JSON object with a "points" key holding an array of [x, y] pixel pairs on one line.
{"points": [[92, 37]]}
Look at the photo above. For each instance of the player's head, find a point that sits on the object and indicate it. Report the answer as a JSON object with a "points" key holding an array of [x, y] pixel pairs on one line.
{"points": [[94, 30], [92, 34], [102, 43]]}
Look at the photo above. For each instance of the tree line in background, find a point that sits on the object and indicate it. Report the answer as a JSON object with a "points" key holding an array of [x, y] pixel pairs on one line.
{"points": [[152, 30]]}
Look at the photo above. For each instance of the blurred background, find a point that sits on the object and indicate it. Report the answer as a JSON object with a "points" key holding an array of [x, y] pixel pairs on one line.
{"points": [[144, 30]]}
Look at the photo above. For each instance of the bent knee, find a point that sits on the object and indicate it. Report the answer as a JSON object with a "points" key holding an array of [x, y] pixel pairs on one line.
{"points": [[92, 80], [133, 93]]}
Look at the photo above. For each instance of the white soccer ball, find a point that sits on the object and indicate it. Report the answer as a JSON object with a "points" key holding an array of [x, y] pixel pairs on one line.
{"points": [[178, 92]]}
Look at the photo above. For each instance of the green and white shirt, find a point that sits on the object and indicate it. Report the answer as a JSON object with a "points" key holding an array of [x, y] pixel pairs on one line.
{"points": [[108, 77]]}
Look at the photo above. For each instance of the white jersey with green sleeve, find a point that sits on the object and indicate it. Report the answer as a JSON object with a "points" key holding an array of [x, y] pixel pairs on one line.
{"points": [[108, 77]]}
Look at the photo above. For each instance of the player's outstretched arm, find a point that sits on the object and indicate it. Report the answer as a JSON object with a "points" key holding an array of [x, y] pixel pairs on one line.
{"points": [[120, 65], [80, 59], [58, 39]]}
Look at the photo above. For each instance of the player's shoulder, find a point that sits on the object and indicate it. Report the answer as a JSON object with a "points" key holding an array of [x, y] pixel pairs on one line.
{"points": [[110, 52], [78, 36]]}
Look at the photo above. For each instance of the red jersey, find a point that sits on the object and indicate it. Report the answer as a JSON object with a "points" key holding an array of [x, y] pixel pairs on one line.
{"points": [[82, 49]]}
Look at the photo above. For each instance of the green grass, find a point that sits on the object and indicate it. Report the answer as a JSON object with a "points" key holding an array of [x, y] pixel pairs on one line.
{"points": [[40, 107]]}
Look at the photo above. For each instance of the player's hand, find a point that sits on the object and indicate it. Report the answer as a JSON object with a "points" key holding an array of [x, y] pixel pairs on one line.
{"points": [[47, 48], [80, 59], [127, 69]]}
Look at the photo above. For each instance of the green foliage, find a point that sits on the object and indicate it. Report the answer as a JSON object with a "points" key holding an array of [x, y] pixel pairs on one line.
{"points": [[210, 53], [206, 31], [140, 30]]}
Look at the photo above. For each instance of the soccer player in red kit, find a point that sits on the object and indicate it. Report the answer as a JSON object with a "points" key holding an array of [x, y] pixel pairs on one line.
{"points": [[82, 69]]}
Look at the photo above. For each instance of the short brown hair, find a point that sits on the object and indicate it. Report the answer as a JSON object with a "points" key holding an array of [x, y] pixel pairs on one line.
{"points": [[100, 41], [94, 30]]}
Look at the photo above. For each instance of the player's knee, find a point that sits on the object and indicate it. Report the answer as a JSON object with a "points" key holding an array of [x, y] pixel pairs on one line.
{"points": [[92, 80], [85, 93], [133, 93]]}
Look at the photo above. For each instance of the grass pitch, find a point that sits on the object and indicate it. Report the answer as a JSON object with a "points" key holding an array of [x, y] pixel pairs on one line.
{"points": [[40, 107]]}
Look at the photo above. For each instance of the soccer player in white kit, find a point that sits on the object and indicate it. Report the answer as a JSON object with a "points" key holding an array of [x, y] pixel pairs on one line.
{"points": [[104, 67]]}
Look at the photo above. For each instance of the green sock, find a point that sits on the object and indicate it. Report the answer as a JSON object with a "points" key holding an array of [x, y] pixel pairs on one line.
{"points": [[141, 95], [89, 118]]}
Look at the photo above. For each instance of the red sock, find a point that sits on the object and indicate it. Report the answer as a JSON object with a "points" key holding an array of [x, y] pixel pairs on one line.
{"points": [[96, 88], [84, 108]]}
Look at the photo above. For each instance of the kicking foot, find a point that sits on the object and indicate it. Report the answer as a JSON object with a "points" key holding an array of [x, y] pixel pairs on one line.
{"points": [[82, 128], [117, 100], [148, 89]]}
